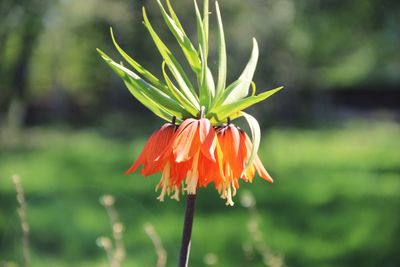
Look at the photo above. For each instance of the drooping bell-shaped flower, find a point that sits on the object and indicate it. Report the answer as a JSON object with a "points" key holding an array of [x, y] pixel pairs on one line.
{"points": [[200, 146], [153, 155], [185, 156], [237, 148], [194, 143]]}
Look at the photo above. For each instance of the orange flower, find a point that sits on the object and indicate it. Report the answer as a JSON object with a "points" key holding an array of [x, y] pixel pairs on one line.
{"points": [[236, 147], [192, 156], [153, 155], [195, 154], [257, 165], [184, 156]]}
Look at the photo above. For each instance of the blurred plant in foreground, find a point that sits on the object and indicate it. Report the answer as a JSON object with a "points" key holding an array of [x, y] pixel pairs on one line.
{"points": [[257, 242], [114, 248], [23, 221], [158, 246], [26, 257]]}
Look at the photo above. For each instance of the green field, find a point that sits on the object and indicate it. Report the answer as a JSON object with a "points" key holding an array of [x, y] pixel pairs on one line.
{"points": [[335, 200]]}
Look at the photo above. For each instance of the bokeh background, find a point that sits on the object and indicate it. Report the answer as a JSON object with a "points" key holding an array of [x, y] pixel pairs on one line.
{"points": [[69, 128]]}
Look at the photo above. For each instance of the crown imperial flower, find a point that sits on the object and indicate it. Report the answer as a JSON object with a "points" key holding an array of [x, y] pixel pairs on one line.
{"points": [[201, 145]]}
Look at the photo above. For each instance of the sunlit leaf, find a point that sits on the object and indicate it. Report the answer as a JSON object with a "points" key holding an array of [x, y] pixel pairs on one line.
{"points": [[206, 84], [242, 88], [206, 15], [142, 71], [255, 136], [154, 99], [178, 95], [220, 99], [222, 64], [232, 110], [176, 69], [184, 42], [173, 15]]}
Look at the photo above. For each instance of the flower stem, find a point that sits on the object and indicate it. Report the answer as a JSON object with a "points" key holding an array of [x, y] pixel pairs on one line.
{"points": [[187, 231]]}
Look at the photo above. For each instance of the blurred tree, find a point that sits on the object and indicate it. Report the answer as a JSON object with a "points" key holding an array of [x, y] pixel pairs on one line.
{"points": [[23, 22]]}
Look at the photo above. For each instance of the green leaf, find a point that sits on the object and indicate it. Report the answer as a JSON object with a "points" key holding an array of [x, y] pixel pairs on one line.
{"points": [[201, 33], [255, 137], [176, 69], [156, 108], [178, 95], [142, 71], [206, 81], [141, 97], [207, 86], [173, 15], [219, 100], [210, 83], [184, 42], [222, 65], [154, 99], [232, 110], [242, 88], [206, 24]]}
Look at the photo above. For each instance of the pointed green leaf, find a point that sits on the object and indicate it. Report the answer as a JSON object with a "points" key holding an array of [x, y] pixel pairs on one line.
{"points": [[206, 81], [242, 90], [142, 71], [153, 93], [222, 65], [206, 23], [173, 15], [201, 33], [184, 42], [255, 137], [176, 69], [210, 83], [145, 92], [232, 110], [178, 95], [156, 108], [207, 85], [219, 100], [141, 97]]}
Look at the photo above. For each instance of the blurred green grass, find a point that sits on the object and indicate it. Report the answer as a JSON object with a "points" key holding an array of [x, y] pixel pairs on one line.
{"points": [[335, 200]]}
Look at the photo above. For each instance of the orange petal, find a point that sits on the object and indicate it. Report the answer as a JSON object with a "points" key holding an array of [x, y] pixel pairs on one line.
{"points": [[155, 149], [184, 140], [261, 170], [208, 139], [237, 153], [179, 171]]}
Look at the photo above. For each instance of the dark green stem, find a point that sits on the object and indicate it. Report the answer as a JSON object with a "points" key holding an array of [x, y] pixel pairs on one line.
{"points": [[187, 231]]}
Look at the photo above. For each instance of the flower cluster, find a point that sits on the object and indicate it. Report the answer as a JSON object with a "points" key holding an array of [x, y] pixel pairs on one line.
{"points": [[195, 154], [206, 147]]}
